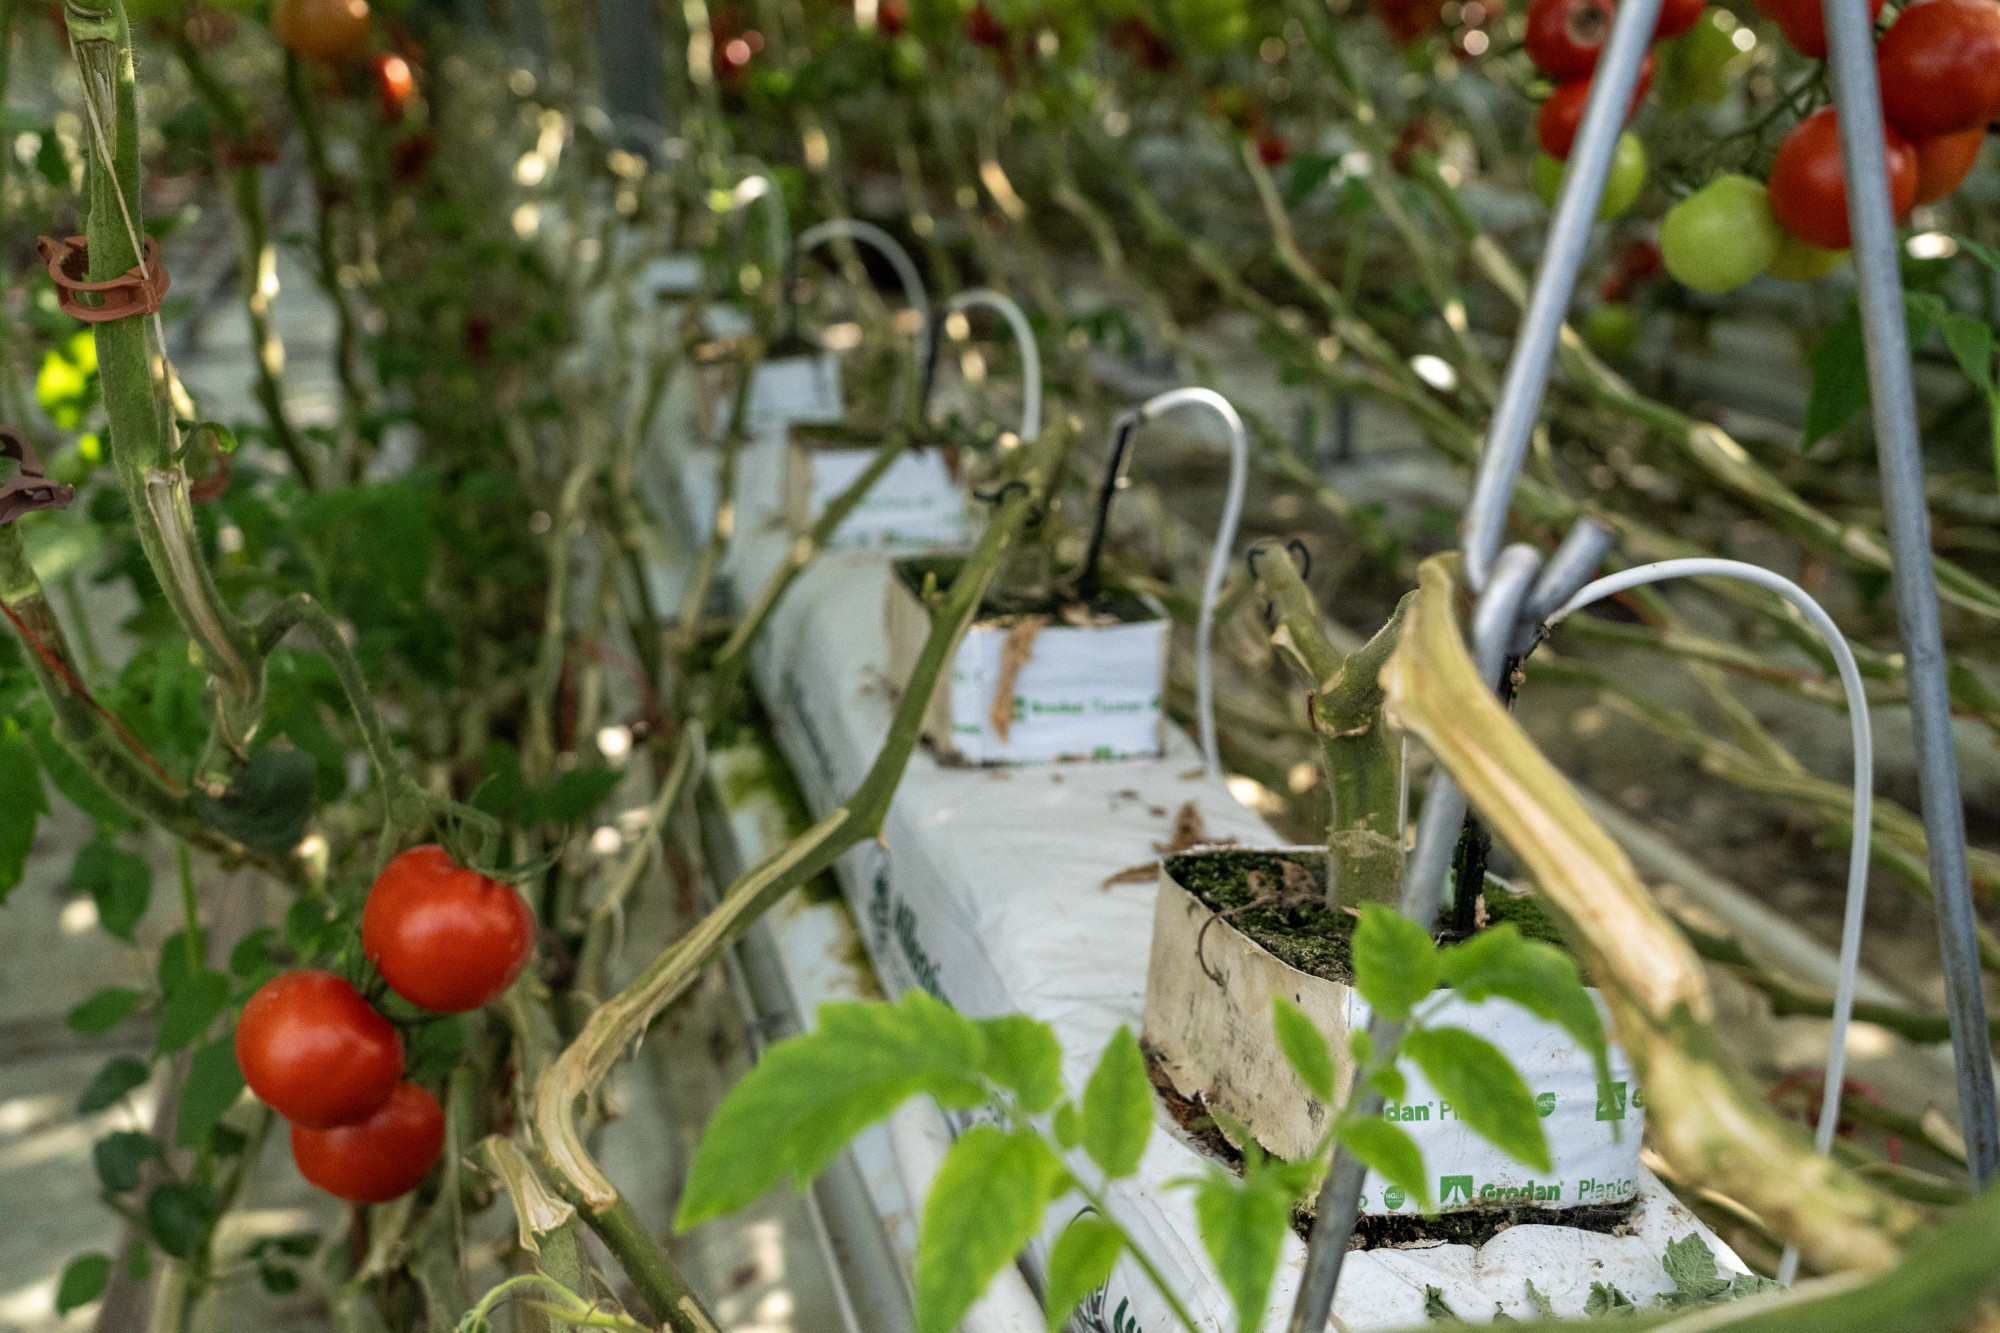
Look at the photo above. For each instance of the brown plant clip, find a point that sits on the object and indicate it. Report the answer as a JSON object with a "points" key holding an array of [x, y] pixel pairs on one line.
{"points": [[29, 488], [131, 293]]}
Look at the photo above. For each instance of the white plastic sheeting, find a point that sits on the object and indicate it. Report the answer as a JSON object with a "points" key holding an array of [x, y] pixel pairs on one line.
{"points": [[989, 890]]}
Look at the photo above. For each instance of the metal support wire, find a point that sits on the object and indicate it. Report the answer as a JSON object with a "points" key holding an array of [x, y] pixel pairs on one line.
{"points": [[1495, 621], [1850, 34], [1617, 76]]}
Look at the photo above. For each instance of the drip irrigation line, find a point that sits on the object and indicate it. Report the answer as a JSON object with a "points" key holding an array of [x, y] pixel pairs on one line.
{"points": [[1089, 582], [853, 229], [1024, 336], [1864, 787]]}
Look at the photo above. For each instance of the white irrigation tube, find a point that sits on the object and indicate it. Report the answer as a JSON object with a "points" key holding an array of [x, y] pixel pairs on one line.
{"points": [[1225, 536], [920, 1137], [759, 184], [1031, 353], [1864, 785], [882, 242]]}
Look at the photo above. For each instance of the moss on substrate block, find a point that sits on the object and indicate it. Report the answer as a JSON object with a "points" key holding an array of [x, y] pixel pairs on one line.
{"points": [[1123, 607], [1305, 935]]}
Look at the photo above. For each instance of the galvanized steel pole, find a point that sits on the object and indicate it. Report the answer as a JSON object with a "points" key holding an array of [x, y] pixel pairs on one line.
{"points": [[1850, 34]]}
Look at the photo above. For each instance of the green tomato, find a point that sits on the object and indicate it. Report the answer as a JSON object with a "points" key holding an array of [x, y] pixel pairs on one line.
{"points": [[1694, 67], [1721, 236], [1612, 329], [1621, 187], [1801, 261]]}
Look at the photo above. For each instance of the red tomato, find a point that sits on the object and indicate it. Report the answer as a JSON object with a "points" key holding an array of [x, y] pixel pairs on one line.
{"points": [[328, 30], [1408, 20], [1677, 16], [1808, 188], [984, 29], [1940, 67], [446, 938], [1556, 123], [1944, 162], [1271, 150], [315, 1052], [892, 16], [1564, 36], [395, 85], [377, 1159], [1803, 23]]}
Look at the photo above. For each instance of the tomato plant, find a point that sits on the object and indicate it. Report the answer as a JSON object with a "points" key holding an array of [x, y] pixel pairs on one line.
{"points": [[1561, 115], [446, 938], [382, 1156], [313, 1050], [1621, 187], [1721, 236], [1808, 182]]}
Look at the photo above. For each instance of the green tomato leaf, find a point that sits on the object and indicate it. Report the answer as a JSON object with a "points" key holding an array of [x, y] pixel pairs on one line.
{"points": [[1080, 1263], [269, 804], [1068, 1126], [1391, 1154], [112, 1082], [178, 1215], [1984, 254], [1118, 1107], [192, 1008], [1483, 1089], [252, 953], [21, 801], [810, 1094], [118, 1157], [1395, 962], [1023, 1055], [1389, 1081], [1243, 1224], [1539, 977], [52, 162], [1839, 366], [985, 1204], [1304, 1047], [103, 1011], [118, 881], [214, 1082], [1971, 343], [178, 962], [573, 795], [83, 1281]]}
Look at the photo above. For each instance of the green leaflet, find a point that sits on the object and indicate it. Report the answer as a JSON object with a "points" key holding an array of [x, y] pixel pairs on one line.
{"points": [[1080, 1263], [1118, 1107], [1023, 1055], [178, 1216], [1395, 962], [75, 782], [1483, 1088], [112, 1082], [1304, 1047], [21, 802], [118, 1157], [268, 805], [118, 881], [1390, 1153], [214, 1082], [191, 1008], [1539, 977], [103, 1011], [83, 1279], [985, 1204], [1243, 1224], [811, 1094]]}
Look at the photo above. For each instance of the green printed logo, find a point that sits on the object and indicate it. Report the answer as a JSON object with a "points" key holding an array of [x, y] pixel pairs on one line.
{"points": [[1611, 1101], [1393, 1197], [1545, 1105], [1454, 1189]]}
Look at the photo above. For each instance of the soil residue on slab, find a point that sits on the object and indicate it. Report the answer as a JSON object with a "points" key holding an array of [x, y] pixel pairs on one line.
{"points": [[1004, 605]]}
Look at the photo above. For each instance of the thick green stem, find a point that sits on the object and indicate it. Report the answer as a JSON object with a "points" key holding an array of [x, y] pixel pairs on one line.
{"points": [[132, 371], [694, 603], [1363, 759]]}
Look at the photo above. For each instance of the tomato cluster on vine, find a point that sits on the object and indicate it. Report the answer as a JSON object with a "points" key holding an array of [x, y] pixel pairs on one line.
{"points": [[1938, 66], [312, 1047]]}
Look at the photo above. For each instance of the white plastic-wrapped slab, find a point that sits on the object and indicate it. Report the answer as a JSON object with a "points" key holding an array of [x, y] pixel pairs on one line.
{"points": [[917, 505], [989, 890]]}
